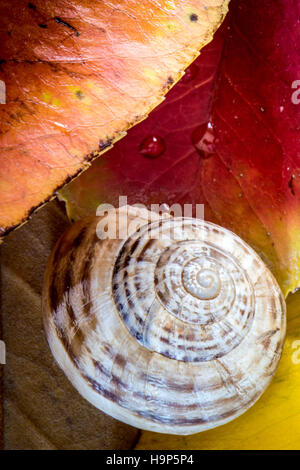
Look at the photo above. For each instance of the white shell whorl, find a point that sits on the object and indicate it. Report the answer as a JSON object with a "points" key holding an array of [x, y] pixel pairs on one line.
{"points": [[179, 294], [177, 332]]}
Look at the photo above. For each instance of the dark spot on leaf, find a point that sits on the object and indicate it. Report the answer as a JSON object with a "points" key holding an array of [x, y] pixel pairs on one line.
{"points": [[170, 80], [68, 25], [31, 6], [194, 17], [103, 144], [79, 94]]}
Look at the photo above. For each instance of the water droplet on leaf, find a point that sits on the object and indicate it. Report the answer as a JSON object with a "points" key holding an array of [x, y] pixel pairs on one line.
{"points": [[152, 146], [203, 140]]}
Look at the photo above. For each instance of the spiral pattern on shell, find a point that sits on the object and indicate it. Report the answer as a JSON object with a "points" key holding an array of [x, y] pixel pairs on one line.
{"points": [[176, 328]]}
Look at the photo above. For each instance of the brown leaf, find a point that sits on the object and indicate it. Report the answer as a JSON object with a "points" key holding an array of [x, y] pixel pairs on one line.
{"points": [[41, 408]]}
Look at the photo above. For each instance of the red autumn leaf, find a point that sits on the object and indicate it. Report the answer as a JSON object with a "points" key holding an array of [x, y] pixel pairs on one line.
{"points": [[230, 139], [78, 74]]}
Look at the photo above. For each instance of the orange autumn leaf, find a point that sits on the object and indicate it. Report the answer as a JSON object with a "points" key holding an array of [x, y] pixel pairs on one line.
{"points": [[78, 74]]}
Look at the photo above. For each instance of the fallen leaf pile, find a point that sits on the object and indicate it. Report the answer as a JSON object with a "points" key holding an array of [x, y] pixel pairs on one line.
{"points": [[226, 136]]}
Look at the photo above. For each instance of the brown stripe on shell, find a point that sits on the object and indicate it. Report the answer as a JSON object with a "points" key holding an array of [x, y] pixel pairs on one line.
{"points": [[265, 338], [64, 278], [145, 248], [196, 421], [115, 397], [62, 264], [123, 386]]}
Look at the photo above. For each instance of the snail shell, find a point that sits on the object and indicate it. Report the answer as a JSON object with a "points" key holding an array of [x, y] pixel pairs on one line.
{"points": [[176, 328]]}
